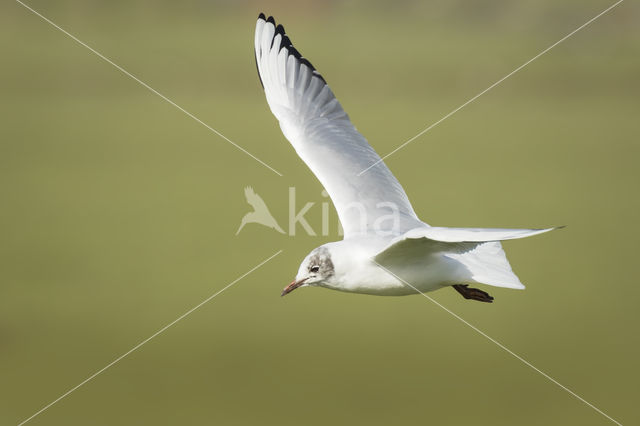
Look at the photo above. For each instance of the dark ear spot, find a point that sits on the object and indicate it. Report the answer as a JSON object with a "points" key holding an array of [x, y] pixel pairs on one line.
{"points": [[320, 262]]}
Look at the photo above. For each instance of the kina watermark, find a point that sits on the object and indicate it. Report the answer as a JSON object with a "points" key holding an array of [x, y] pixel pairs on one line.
{"points": [[385, 221]]}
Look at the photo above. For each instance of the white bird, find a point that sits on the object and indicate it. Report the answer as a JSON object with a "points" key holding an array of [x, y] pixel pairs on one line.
{"points": [[260, 213], [386, 249]]}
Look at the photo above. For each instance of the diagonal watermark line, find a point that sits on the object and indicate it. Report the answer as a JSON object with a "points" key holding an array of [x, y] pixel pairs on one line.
{"points": [[501, 346], [425, 130], [145, 85], [91, 377]]}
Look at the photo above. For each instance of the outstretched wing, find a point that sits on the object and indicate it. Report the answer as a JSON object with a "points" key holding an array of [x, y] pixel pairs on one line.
{"points": [[471, 235], [434, 239], [313, 120], [476, 250]]}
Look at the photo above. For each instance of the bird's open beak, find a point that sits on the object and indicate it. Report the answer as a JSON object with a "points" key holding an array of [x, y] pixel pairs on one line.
{"points": [[294, 284]]}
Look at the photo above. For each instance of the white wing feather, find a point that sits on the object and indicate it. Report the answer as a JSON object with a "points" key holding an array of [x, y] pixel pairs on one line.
{"points": [[470, 235], [477, 251], [313, 120]]}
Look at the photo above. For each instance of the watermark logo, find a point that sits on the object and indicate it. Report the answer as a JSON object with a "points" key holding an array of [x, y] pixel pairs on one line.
{"points": [[385, 219], [260, 213]]}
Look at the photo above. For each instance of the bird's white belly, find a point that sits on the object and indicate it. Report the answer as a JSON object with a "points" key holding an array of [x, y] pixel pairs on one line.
{"points": [[427, 275]]}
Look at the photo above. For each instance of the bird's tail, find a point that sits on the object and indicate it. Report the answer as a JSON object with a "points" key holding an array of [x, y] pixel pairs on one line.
{"points": [[487, 264]]}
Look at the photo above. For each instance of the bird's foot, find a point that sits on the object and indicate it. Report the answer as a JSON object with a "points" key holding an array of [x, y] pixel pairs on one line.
{"points": [[473, 293]]}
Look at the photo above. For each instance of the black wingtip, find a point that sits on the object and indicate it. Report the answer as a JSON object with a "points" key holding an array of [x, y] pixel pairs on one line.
{"points": [[286, 43], [306, 62], [294, 52]]}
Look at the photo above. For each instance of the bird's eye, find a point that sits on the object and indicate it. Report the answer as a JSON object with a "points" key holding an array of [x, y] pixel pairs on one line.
{"points": [[314, 268]]}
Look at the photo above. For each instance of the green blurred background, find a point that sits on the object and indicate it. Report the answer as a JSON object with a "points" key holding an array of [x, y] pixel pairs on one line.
{"points": [[119, 214]]}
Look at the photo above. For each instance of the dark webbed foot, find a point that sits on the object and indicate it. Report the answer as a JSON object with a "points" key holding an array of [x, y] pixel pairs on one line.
{"points": [[473, 293]]}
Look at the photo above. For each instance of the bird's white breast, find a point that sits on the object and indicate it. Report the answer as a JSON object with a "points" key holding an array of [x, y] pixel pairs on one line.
{"points": [[355, 270]]}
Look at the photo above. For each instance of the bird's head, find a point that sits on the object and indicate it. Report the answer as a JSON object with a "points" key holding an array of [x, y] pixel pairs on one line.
{"points": [[316, 269]]}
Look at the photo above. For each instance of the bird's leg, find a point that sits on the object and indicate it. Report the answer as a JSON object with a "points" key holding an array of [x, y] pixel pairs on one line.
{"points": [[472, 293]]}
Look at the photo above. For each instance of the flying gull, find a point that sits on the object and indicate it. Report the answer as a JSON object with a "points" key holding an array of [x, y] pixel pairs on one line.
{"points": [[387, 249]]}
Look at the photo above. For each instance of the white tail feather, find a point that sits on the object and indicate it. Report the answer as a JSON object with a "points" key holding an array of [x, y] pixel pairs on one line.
{"points": [[488, 264]]}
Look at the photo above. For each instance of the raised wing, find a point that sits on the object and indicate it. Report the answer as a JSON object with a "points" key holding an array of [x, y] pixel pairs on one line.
{"points": [[313, 120]]}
